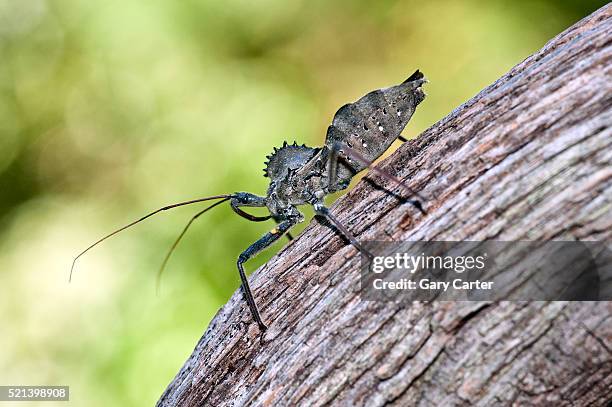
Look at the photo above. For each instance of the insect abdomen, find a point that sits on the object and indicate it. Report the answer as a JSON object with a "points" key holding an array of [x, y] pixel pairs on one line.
{"points": [[369, 125]]}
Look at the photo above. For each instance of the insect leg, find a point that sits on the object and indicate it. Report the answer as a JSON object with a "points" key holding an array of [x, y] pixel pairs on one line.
{"points": [[332, 164], [322, 210], [334, 155], [265, 241], [247, 199]]}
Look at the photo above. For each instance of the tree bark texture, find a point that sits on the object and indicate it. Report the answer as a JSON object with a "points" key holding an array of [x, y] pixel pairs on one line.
{"points": [[528, 158]]}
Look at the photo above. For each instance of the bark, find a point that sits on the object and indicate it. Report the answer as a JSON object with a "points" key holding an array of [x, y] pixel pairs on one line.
{"points": [[528, 158]]}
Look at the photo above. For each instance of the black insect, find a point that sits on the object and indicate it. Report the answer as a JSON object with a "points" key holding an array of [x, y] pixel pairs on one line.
{"points": [[360, 133]]}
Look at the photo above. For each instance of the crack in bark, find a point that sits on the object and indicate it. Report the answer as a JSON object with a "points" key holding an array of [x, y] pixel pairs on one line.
{"points": [[417, 377]]}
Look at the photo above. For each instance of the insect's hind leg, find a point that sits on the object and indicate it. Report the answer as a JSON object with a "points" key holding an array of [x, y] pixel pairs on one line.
{"points": [[265, 241], [335, 156]]}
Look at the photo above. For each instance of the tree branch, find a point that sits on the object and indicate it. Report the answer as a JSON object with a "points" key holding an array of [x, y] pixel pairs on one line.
{"points": [[528, 158]]}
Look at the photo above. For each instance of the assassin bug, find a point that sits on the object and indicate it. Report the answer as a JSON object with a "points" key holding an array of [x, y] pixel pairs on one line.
{"points": [[359, 134]]}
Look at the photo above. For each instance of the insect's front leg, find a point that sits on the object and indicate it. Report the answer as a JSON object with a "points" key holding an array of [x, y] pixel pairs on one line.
{"points": [[265, 241], [247, 199]]}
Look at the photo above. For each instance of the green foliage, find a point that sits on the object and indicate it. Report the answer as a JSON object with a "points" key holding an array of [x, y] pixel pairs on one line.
{"points": [[110, 109]]}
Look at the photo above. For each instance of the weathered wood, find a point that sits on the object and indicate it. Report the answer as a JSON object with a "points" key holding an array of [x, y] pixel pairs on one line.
{"points": [[527, 158]]}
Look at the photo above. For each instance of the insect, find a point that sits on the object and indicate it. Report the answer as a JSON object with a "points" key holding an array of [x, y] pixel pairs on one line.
{"points": [[299, 175]]}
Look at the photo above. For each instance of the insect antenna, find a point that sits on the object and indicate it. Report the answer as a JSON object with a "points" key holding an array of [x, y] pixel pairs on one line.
{"points": [[178, 239], [165, 208]]}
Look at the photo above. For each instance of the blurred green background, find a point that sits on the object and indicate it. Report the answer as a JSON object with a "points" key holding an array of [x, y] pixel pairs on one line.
{"points": [[110, 109]]}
